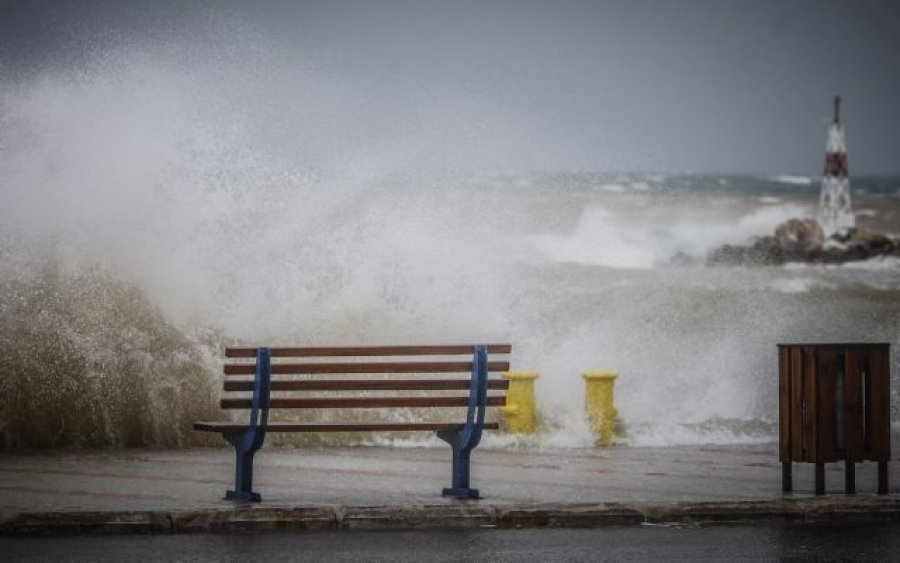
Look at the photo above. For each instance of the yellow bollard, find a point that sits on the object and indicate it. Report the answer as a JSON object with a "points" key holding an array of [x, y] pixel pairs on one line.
{"points": [[519, 411], [599, 407]]}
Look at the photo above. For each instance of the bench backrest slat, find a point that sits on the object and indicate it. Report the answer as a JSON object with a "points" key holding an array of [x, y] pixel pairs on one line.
{"points": [[338, 351], [366, 385], [369, 367], [362, 402]]}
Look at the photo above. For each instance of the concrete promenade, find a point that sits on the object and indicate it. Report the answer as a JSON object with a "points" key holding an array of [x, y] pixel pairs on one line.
{"points": [[174, 491]]}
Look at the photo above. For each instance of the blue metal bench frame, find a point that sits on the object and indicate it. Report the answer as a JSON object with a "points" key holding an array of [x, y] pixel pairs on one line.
{"points": [[462, 440], [465, 439], [248, 442]]}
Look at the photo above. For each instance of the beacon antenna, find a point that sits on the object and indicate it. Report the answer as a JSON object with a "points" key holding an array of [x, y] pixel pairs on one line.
{"points": [[835, 212]]}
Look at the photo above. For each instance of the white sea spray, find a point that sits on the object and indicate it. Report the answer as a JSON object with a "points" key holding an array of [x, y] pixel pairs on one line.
{"points": [[157, 208]]}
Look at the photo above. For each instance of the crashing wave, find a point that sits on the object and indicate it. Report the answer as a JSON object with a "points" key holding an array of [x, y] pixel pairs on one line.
{"points": [[793, 180], [89, 361]]}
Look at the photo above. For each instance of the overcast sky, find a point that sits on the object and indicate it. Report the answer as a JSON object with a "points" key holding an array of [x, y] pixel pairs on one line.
{"points": [[662, 85]]}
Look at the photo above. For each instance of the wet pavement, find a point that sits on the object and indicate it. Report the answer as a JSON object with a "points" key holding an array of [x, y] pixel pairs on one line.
{"points": [[785, 542], [389, 487]]}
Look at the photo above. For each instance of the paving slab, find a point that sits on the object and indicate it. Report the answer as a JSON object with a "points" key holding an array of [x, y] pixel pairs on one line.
{"points": [[163, 491]]}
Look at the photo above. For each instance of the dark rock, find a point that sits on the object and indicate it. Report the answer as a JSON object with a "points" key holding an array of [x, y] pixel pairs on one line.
{"points": [[871, 240], [800, 230], [729, 255], [801, 240]]}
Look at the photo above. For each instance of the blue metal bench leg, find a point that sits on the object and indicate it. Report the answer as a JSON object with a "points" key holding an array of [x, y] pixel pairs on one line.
{"points": [[243, 471], [247, 442], [466, 438], [460, 479]]}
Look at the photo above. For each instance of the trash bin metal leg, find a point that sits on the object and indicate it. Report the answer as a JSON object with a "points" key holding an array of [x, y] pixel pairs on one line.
{"points": [[820, 478], [849, 477], [882, 477], [787, 481]]}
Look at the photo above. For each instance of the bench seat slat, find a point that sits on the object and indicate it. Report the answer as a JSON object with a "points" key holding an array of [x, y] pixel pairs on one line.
{"points": [[376, 367], [366, 385], [338, 427], [321, 351], [361, 402]]}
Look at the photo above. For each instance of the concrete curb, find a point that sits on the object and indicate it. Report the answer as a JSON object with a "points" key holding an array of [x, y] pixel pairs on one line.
{"points": [[257, 519]]}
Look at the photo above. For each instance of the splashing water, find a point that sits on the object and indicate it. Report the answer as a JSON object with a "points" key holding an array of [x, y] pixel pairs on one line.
{"points": [[158, 206]]}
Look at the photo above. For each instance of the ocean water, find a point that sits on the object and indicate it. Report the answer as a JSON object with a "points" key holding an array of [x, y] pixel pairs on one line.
{"points": [[149, 219]]}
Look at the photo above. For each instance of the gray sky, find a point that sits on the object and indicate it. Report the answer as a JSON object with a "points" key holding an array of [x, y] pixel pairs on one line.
{"points": [[662, 85]]}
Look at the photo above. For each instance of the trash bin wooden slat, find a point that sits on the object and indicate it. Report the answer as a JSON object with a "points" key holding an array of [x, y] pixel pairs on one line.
{"points": [[880, 424]]}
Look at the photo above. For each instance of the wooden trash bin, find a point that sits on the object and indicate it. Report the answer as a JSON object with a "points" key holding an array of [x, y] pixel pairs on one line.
{"points": [[834, 404]]}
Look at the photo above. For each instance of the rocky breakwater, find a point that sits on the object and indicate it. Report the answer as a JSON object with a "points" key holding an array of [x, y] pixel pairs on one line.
{"points": [[802, 240]]}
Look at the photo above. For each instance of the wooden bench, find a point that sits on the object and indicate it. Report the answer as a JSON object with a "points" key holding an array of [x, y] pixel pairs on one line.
{"points": [[403, 378]]}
